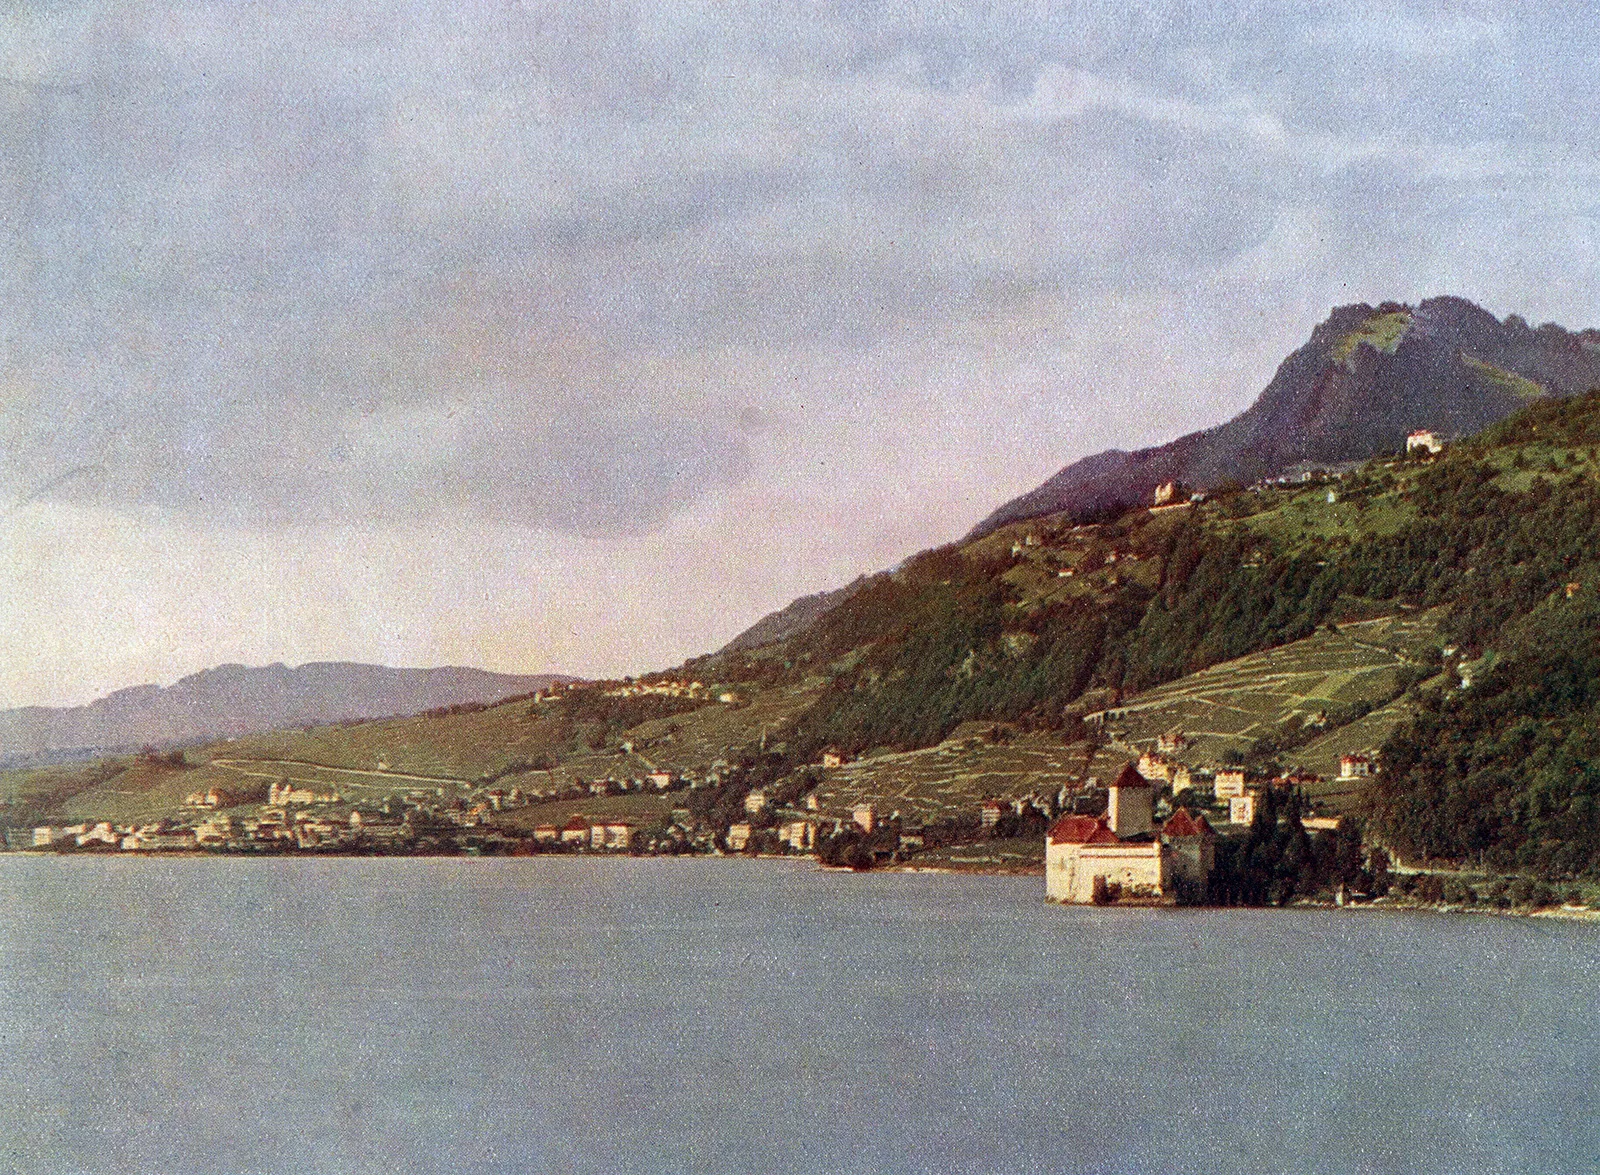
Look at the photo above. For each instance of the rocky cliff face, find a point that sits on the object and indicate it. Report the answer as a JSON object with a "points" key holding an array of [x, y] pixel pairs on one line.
{"points": [[1367, 377]]}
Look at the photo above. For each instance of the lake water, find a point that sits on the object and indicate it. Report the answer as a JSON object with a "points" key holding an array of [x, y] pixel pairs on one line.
{"points": [[555, 1015]]}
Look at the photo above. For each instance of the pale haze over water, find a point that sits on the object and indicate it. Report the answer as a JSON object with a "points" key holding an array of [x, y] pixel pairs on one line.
{"points": [[536, 1015]]}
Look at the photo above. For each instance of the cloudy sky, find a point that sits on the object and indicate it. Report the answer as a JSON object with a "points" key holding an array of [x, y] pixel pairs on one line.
{"points": [[579, 336]]}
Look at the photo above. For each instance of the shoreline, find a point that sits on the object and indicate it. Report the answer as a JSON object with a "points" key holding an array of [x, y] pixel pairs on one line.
{"points": [[1563, 913]]}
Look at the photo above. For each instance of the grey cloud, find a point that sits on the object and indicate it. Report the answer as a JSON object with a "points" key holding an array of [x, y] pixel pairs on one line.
{"points": [[306, 262]]}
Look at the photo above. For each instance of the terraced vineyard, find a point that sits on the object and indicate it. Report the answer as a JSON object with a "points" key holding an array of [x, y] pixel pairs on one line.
{"points": [[959, 774], [1280, 691], [1220, 709]]}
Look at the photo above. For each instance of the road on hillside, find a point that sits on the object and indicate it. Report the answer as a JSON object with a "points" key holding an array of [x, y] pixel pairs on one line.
{"points": [[378, 772]]}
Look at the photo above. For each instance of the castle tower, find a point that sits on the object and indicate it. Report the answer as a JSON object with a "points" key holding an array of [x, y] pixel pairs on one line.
{"points": [[1131, 798]]}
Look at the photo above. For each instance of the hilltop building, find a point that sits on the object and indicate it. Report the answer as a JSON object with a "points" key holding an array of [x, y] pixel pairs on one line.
{"points": [[1423, 439]]}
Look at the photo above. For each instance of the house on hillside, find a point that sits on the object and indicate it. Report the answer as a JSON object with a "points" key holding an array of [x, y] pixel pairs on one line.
{"points": [[865, 817], [1229, 783], [283, 793], [1155, 767], [1242, 808], [990, 814], [1423, 439], [1354, 766], [738, 837], [1171, 742], [546, 834], [575, 832], [1164, 493]]}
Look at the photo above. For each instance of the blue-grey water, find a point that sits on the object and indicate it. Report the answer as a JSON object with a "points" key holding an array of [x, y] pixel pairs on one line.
{"points": [[560, 1015]]}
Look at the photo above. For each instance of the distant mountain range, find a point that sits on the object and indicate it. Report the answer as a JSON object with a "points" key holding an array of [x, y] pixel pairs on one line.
{"points": [[1368, 376], [234, 700]]}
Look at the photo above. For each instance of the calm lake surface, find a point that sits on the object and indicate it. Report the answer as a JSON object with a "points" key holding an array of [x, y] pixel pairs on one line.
{"points": [[550, 1015]]}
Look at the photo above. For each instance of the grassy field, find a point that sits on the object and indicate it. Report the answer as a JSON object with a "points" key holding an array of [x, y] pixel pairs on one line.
{"points": [[1382, 332], [1295, 516], [1517, 385]]}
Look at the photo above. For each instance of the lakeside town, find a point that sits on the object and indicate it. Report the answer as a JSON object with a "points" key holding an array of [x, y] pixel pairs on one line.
{"points": [[1147, 835]]}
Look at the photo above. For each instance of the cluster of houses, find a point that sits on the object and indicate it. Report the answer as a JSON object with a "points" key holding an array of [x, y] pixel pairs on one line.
{"points": [[673, 688], [1127, 854], [1232, 784]]}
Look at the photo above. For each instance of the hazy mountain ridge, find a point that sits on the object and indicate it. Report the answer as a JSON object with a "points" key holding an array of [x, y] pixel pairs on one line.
{"points": [[1368, 376], [232, 700], [793, 618]]}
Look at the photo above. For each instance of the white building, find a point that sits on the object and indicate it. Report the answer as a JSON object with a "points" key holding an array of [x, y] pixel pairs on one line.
{"points": [[799, 835], [1354, 766], [1423, 439], [1229, 783]]}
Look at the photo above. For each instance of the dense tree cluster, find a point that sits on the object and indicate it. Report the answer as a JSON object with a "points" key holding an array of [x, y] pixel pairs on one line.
{"points": [[1507, 772], [1278, 861]]}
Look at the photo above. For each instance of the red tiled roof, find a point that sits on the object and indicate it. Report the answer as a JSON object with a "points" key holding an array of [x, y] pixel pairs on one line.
{"points": [[577, 824], [1130, 777], [1181, 823], [1081, 830]]}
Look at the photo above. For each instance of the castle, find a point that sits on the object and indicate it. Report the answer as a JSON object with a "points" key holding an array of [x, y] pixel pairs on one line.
{"points": [[1122, 854]]}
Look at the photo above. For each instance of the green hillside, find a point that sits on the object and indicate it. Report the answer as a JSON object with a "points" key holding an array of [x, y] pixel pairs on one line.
{"points": [[1284, 624]]}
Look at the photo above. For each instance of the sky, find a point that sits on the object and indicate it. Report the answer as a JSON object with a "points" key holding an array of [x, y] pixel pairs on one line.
{"points": [[577, 337]]}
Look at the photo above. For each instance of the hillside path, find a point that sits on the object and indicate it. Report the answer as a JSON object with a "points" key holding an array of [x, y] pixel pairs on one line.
{"points": [[379, 772]]}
